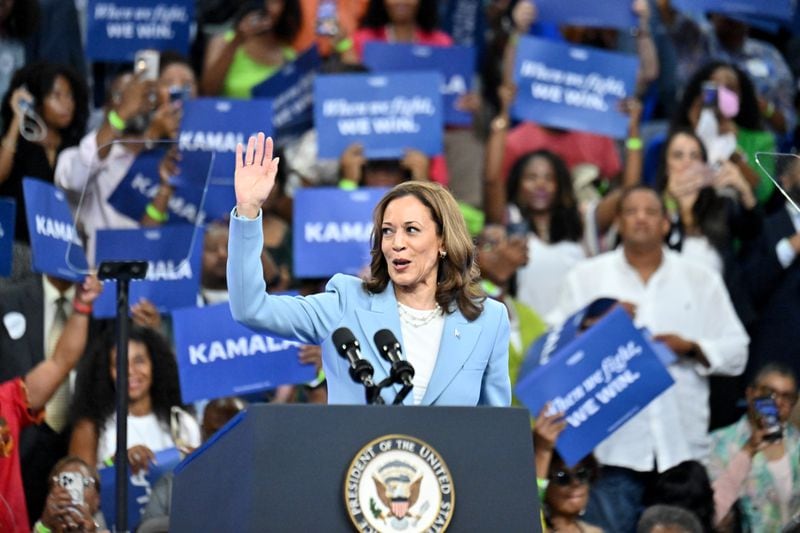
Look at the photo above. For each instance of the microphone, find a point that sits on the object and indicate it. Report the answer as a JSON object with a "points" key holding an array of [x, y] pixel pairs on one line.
{"points": [[348, 347], [389, 348]]}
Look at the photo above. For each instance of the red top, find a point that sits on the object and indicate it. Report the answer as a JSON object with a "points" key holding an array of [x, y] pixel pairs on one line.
{"points": [[574, 147], [14, 415], [431, 38]]}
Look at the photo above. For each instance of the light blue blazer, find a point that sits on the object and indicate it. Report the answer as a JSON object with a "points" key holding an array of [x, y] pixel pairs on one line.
{"points": [[472, 364]]}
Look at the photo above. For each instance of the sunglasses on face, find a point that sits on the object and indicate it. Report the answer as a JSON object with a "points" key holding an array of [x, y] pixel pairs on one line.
{"points": [[788, 397], [565, 478]]}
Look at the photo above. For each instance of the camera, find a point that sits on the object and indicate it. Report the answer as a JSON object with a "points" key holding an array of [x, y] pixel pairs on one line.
{"points": [[145, 64], [767, 411], [74, 483]]}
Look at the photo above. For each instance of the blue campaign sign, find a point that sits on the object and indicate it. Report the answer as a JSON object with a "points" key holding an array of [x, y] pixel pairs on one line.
{"points": [[52, 231], [386, 113], [464, 21], [217, 125], [8, 210], [139, 487], [456, 64], [117, 29], [173, 254], [141, 184], [331, 230], [573, 87], [291, 92], [776, 10], [606, 14], [600, 380], [218, 357]]}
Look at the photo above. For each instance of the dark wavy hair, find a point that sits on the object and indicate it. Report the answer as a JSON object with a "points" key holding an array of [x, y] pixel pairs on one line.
{"points": [[458, 273], [23, 19], [688, 486], [709, 209], [288, 24], [39, 79], [748, 117], [565, 220], [377, 16], [94, 389]]}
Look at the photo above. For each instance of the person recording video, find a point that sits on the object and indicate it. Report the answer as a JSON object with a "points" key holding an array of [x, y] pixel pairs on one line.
{"points": [[139, 112], [423, 287]]}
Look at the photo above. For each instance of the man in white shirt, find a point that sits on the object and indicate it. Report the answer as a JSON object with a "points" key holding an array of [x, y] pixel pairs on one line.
{"points": [[686, 306], [93, 170]]}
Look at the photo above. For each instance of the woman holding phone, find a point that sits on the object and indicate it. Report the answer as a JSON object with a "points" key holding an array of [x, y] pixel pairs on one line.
{"points": [[44, 112]]}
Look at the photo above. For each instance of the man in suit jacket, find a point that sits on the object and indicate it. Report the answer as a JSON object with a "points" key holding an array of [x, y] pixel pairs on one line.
{"points": [[772, 273], [27, 312]]}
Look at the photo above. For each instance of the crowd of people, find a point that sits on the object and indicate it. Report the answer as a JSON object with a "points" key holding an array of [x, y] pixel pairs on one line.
{"points": [[682, 223]]}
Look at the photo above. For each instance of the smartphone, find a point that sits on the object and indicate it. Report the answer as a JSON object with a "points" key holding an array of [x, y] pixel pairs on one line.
{"points": [[73, 482], [327, 24], [145, 64], [517, 229], [179, 93], [710, 94], [767, 411]]}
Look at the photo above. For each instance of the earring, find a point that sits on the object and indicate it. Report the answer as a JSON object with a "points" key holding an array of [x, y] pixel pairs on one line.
{"points": [[442, 254]]}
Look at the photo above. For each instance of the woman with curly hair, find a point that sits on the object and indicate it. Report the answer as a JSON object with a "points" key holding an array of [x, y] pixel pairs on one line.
{"points": [[400, 21], [423, 286], [239, 59], [542, 205], [729, 123], [153, 394], [60, 98]]}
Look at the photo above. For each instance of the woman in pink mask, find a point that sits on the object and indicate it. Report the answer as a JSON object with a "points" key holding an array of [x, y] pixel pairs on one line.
{"points": [[720, 105]]}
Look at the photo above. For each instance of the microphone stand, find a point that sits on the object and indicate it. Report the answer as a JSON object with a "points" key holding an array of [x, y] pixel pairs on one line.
{"points": [[362, 373], [399, 375], [123, 272]]}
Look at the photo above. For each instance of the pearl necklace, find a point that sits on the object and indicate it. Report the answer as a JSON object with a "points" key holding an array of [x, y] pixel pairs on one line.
{"points": [[415, 320]]}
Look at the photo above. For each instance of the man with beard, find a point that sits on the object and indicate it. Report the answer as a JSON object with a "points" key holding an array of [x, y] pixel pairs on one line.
{"points": [[772, 274]]}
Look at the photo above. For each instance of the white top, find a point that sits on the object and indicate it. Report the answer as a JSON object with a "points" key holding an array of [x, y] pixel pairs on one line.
{"points": [[539, 282], [781, 472], [78, 168], [683, 298], [421, 345], [145, 430], [700, 250], [783, 249]]}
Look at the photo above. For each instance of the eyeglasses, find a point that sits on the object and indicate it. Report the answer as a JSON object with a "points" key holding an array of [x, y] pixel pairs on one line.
{"points": [[788, 397], [565, 478]]}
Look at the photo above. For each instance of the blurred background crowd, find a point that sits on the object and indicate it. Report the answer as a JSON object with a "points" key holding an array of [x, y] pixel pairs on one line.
{"points": [[680, 222]]}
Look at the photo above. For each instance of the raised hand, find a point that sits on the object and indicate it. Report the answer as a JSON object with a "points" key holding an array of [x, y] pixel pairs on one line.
{"points": [[255, 175]]}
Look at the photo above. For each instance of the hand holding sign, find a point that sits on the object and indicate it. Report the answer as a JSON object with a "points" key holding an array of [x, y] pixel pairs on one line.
{"points": [[255, 175], [139, 457]]}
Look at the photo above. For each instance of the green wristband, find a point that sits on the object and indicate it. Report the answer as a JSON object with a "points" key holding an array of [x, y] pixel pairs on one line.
{"points": [[41, 528], [634, 144], [116, 121], [345, 45], [153, 212], [347, 185]]}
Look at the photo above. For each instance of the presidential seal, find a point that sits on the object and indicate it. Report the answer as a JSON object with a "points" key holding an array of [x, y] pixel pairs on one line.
{"points": [[399, 483]]}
